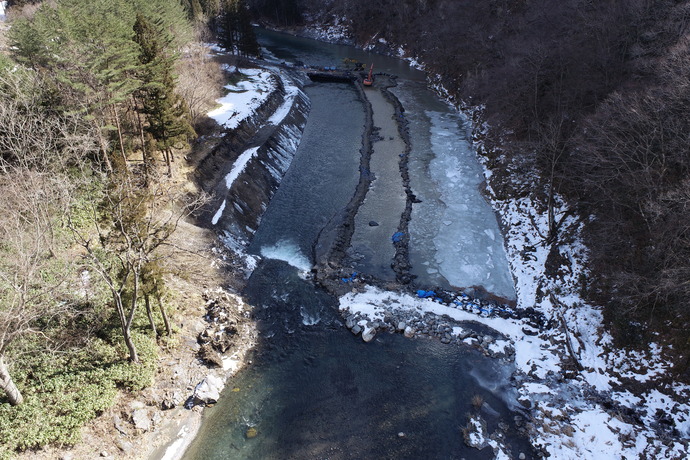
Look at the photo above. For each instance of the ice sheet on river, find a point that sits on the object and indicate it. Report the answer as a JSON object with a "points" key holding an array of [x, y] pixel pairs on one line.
{"points": [[454, 232]]}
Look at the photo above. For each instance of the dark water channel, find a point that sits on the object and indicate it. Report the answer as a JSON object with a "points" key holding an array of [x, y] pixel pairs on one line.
{"points": [[313, 390]]}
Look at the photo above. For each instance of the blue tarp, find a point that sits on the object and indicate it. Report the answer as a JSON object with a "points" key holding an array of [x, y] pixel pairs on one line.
{"points": [[350, 279], [425, 294], [397, 237]]}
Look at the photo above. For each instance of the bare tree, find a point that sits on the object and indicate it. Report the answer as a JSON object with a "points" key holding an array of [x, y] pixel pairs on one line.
{"points": [[34, 135], [37, 145], [200, 80], [31, 276], [130, 224]]}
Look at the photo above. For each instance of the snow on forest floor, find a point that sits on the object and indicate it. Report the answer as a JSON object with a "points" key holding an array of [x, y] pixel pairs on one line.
{"points": [[576, 414], [590, 415]]}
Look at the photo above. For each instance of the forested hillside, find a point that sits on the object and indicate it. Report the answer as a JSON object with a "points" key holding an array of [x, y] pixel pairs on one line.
{"points": [[586, 100], [99, 100]]}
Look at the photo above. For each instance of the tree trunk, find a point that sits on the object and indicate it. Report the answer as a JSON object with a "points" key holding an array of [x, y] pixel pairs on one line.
{"points": [[142, 139], [104, 148], [126, 328], [164, 314], [125, 324], [149, 313], [166, 152], [116, 116], [6, 383], [133, 355]]}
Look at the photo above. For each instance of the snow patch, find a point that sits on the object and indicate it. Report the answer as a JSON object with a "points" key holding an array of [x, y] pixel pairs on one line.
{"points": [[219, 213], [291, 92], [239, 166], [244, 98]]}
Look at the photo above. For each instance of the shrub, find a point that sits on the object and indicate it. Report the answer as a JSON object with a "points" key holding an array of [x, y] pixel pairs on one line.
{"points": [[65, 391]]}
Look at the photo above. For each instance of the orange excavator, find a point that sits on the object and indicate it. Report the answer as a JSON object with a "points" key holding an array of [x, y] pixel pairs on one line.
{"points": [[369, 80]]}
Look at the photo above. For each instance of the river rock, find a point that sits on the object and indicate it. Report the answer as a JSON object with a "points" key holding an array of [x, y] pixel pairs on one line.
{"points": [[409, 332], [350, 322], [373, 223], [134, 405], [401, 326], [463, 334], [369, 334], [209, 390], [210, 356]]}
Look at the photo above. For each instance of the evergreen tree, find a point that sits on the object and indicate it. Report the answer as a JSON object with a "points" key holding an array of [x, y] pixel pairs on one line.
{"points": [[228, 29], [236, 34], [166, 112], [248, 45]]}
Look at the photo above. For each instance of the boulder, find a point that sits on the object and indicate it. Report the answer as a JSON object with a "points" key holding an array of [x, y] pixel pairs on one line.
{"points": [[141, 419], [125, 446], [210, 356], [356, 329], [409, 332], [369, 333], [209, 390], [463, 334], [401, 326], [117, 423]]}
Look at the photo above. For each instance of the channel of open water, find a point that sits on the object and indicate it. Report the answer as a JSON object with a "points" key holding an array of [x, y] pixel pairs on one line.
{"points": [[313, 390]]}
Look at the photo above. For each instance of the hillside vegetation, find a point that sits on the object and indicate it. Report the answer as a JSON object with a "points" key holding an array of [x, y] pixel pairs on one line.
{"points": [[586, 100], [99, 100]]}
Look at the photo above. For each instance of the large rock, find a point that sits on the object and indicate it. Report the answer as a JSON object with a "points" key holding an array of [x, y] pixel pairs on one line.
{"points": [[209, 390], [210, 356], [141, 419], [409, 332], [369, 333]]}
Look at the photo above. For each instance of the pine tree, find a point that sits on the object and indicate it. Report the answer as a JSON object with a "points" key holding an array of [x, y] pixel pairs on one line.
{"points": [[236, 34], [228, 28], [166, 112], [248, 45]]}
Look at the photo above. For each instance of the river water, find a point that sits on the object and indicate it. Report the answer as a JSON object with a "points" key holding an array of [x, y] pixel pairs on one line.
{"points": [[313, 390]]}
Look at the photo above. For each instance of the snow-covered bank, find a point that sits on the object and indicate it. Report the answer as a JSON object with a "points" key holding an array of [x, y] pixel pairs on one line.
{"points": [[244, 97], [588, 399], [266, 112], [592, 413]]}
